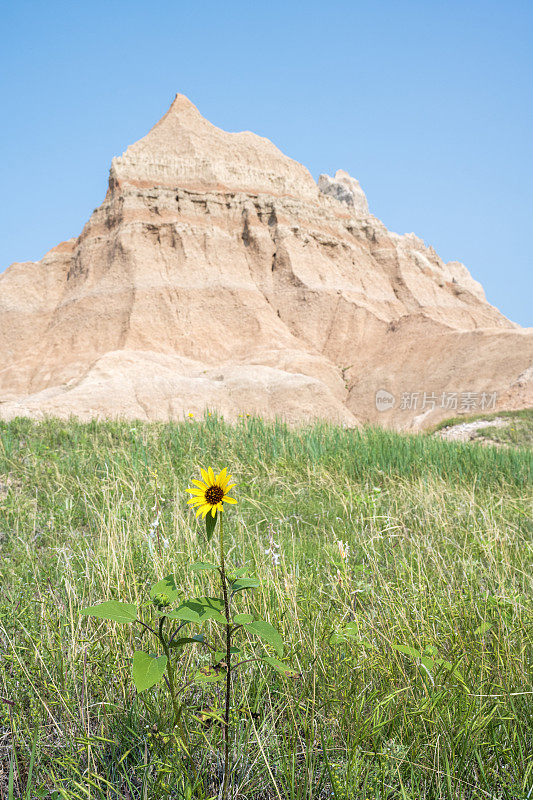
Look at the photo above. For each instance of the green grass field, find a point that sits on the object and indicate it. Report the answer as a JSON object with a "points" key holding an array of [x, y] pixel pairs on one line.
{"points": [[413, 542]]}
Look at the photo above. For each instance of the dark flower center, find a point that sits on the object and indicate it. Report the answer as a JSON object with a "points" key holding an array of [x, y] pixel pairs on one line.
{"points": [[214, 495]]}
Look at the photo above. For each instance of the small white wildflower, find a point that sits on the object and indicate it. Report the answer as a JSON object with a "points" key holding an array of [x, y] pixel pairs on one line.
{"points": [[273, 549], [153, 533], [274, 554]]}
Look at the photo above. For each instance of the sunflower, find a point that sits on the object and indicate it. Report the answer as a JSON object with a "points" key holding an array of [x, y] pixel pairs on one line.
{"points": [[209, 495]]}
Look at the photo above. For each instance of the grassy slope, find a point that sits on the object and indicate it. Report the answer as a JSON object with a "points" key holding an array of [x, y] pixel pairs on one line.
{"points": [[517, 432], [440, 544]]}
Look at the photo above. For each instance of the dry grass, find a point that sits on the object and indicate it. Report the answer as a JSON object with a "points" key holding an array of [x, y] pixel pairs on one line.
{"points": [[439, 561]]}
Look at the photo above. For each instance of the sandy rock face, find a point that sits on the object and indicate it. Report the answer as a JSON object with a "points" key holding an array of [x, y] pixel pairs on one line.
{"points": [[345, 189], [184, 149], [216, 274]]}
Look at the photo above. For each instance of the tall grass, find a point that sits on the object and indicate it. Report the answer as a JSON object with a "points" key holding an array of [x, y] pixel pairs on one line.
{"points": [[439, 562]]}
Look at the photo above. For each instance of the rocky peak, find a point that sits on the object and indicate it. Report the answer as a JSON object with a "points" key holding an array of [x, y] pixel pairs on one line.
{"points": [[345, 189], [217, 274], [184, 150]]}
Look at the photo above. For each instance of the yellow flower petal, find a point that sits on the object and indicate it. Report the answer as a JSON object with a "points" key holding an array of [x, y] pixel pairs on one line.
{"points": [[198, 491]]}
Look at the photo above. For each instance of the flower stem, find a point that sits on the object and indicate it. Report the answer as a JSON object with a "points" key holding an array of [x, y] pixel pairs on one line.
{"points": [[225, 785]]}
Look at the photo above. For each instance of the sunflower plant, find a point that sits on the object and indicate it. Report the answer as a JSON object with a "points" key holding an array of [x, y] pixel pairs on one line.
{"points": [[208, 498], [170, 619]]}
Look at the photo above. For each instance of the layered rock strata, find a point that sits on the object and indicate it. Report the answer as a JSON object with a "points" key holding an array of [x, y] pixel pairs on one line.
{"points": [[217, 275]]}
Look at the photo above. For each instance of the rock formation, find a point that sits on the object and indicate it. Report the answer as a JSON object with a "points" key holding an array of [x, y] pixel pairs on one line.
{"points": [[346, 189], [217, 274]]}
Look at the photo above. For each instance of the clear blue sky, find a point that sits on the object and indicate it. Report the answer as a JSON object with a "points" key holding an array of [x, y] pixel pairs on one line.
{"points": [[428, 104]]}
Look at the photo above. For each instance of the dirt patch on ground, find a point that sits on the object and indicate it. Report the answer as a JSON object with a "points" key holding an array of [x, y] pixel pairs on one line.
{"points": [[466, 431], [500, 430]]}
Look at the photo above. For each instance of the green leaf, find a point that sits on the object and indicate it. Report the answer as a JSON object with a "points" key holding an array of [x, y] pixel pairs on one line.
{"points": [[284, 669], [210, 523], [242, 619], [350, 630], [427, 662], [484, 627], [408, 651], [188, 640], [199, 610], [266, 632], [220, 655], [451, 669], [198, 566], [168, 587], [147, 669], [244, 583], [208, 675], [113, 610], [190, 611], [238, 573]]}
